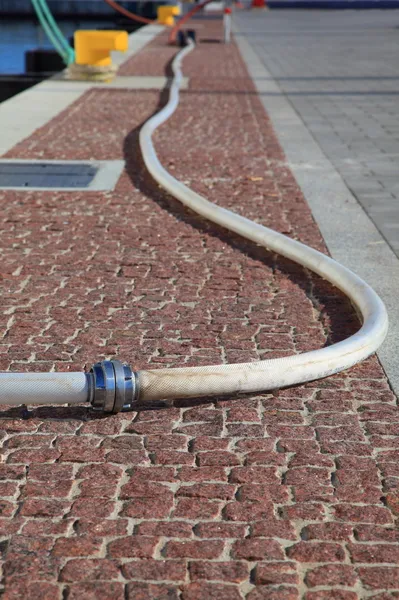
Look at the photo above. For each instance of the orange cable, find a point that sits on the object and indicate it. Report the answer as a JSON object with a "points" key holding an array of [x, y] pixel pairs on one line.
{"points": [[129, 14]]}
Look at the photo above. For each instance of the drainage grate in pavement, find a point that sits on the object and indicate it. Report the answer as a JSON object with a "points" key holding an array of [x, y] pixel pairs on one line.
{"points": [[59, 175], [45, 175]]}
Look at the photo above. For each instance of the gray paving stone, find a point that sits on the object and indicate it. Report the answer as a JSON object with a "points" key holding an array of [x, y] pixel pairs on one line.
{"points": [[339, 70]]}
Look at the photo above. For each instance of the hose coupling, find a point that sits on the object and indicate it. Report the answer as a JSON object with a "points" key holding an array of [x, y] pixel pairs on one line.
{"points": [[113, 386]]}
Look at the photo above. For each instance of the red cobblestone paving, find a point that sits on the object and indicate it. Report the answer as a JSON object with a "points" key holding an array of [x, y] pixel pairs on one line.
{"points": [[272, 496]]}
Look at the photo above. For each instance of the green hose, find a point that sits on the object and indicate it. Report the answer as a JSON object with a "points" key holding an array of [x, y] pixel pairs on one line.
{"points": [[51, 21], [53, 32], [53, 39]]}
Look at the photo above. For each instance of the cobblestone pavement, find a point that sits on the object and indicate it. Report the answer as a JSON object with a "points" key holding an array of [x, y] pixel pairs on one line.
{"points": [[271, 496], [339, 71]]}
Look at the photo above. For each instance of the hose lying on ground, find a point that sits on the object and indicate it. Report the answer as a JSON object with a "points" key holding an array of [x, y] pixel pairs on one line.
{"points": [[112, 386]]}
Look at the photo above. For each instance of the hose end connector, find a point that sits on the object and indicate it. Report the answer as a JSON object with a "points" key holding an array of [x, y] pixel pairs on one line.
{"points": [[113, 386]]}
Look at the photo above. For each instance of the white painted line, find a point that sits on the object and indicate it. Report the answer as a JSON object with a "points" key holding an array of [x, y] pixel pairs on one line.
{"points": [[351, 237], [21, 115]]}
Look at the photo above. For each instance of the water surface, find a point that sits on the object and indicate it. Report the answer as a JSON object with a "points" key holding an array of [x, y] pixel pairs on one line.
{"points": [[18, 36]]}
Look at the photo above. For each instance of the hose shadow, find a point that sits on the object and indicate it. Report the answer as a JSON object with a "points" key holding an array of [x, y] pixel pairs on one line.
{"points": [[334, 308], [85, 414], [44, 413]]}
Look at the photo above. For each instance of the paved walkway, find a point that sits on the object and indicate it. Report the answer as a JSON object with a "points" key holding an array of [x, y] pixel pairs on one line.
{"points": [[284, 496], [339, 70]]}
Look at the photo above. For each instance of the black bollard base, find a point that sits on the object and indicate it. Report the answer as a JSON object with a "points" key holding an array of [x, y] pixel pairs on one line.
{"points": [[191, 34], [181, 39]]}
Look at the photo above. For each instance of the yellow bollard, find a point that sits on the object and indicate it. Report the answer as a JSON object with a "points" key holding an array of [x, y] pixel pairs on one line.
{"points": [[166, 14], [93, 47]]}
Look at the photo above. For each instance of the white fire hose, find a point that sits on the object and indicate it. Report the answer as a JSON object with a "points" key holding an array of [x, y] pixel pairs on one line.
{"points": [[112, 386]]}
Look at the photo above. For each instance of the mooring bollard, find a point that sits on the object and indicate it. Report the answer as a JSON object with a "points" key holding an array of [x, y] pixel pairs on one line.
{"points": [[227, 24]]}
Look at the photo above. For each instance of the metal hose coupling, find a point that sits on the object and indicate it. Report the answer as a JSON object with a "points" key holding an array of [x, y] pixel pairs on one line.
{"points": [[113, 386]]}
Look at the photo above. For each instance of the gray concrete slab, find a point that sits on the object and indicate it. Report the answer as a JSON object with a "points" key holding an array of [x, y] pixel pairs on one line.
{"points": [[347, 219]]}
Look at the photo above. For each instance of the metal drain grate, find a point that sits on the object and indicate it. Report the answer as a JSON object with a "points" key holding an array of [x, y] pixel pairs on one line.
{"points": [[45, 175], [59, 175]]}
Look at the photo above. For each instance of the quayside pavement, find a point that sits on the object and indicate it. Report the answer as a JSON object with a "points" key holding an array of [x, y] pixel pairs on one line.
{"points": [[283, 496]]}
